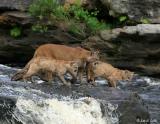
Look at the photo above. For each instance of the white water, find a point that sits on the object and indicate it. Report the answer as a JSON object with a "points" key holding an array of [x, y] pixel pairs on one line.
{"points": [[149, 81], [53, 111]]}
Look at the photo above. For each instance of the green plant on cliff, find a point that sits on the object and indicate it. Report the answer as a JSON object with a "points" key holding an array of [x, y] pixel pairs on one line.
{"points": [[53, 11], [39, 28], [144, 20], [16, 32], [123, 19], [43, 8], [89, 18]]}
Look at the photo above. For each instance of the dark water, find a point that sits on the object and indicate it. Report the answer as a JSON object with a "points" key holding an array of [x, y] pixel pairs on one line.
{"points": [[149, 90]]}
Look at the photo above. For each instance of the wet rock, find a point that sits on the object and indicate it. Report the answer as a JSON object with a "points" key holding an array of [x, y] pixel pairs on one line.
{"points": [[129, 106], [132, 47], [136, 10], [7, 106]]}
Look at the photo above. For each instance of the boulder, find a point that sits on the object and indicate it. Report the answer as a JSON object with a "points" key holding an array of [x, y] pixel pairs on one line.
{"points": [[135, 9], [132, 47]]}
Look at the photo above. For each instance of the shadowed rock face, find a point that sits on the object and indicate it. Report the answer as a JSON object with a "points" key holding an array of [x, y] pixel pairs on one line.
{"points": [[131, 47], [22, 49], [129, 106]]}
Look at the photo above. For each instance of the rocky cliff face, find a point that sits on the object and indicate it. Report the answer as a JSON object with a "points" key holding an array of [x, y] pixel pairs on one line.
{"points": [[131, 47], [134, 9], [21, 5]]}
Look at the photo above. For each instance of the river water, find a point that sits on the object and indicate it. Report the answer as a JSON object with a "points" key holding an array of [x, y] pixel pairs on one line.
{"points": [[37, 107]]}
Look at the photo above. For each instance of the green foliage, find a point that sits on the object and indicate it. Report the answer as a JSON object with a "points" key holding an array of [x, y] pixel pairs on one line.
{"points": [[16, 32], [39, 28], [82, 15], [42, 8], [144, 21], [95, 25], [122, 18], [60, 13], [76, 29], [51, 9]]}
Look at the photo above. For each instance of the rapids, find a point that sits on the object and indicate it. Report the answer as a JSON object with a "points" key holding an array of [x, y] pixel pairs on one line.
{"points": [[33, 106]]}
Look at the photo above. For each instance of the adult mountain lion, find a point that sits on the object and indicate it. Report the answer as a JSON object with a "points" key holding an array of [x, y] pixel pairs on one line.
{"points": [[62, 52]]}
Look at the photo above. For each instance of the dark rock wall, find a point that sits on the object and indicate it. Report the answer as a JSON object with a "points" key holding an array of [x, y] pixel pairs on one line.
{"points": [[21, 5], [131, 47]]}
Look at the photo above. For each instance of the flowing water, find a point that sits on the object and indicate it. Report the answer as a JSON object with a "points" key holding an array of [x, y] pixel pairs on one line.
{"points": [[149, 90], [36, 107]]}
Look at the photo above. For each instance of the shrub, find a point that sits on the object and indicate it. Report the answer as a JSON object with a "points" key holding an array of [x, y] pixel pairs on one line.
{"points": [[16, 32], [77, 28], [89, 18], [122, 19], [42, 8], [53, 11]]}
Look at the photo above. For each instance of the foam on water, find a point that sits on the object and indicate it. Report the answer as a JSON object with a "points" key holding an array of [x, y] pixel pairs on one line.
{"points": [[151, 81], [36, 107], [67, 111]]}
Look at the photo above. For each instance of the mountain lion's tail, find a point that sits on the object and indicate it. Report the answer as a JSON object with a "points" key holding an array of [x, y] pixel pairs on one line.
{"points": [[19, 75]]}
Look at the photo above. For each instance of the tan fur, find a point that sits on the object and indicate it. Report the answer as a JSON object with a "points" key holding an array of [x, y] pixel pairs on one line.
{"points": [[56, 67], [107, 71], [63, 52], [19, 75]]}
